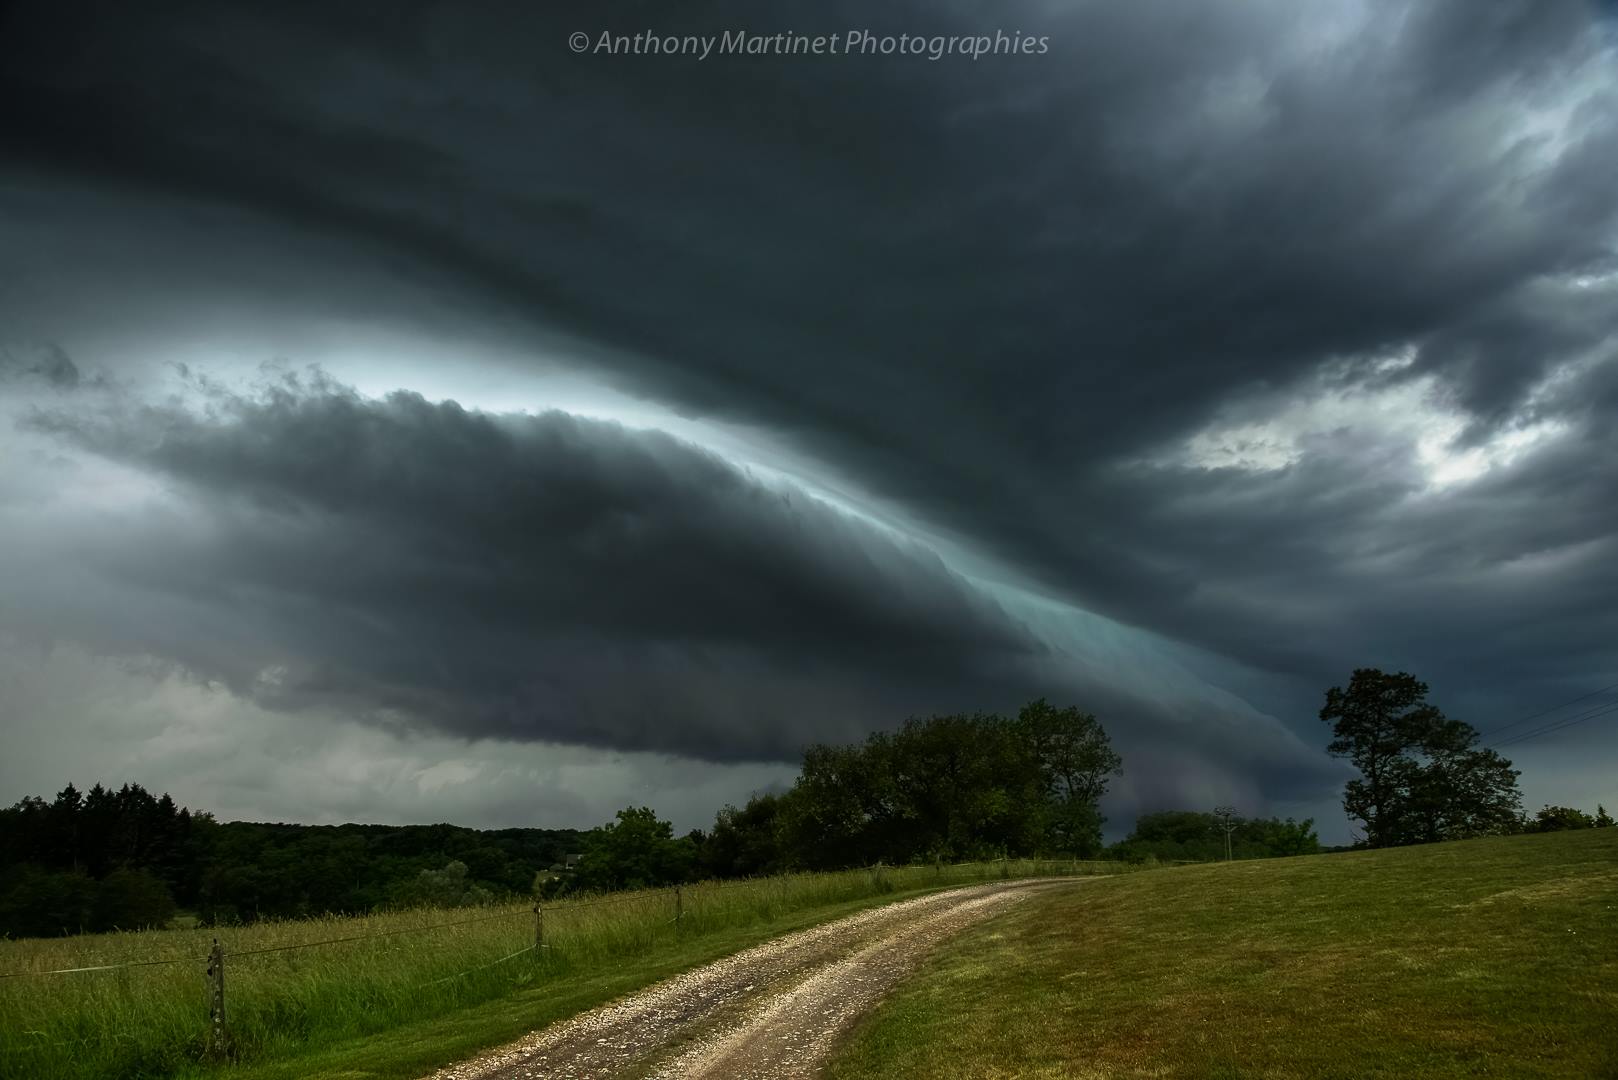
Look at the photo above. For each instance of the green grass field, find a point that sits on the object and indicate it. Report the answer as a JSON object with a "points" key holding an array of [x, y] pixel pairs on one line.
{"points": [[395, 1004], [1494, 957]]}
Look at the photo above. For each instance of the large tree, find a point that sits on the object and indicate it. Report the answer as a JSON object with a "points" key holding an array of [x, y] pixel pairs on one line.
{"points": [[953, 787], [1076, 760], [638, 850], [745, 842], [1422, 776]]}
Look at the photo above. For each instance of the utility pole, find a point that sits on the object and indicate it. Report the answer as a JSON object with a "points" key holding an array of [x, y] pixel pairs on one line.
{"points": [[1227, 821]]}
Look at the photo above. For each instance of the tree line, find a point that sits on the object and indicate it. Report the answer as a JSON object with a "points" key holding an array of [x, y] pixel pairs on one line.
{"points": [[972, 786], [1195, 836], [124, 859], [942, 788]]}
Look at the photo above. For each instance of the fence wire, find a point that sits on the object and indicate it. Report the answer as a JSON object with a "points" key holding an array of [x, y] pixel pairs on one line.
{"points": [[108, 967], [482, 967], [564, 905]]}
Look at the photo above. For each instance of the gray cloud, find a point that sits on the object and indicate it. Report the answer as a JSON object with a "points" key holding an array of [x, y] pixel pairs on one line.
{"points": [[99, 718], [1133, 231], [553, 579], [538, 576], [47, 364], [1116, 321]]}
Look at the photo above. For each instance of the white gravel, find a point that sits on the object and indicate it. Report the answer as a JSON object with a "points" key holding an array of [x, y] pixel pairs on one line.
{"points": [[774, 1010]]}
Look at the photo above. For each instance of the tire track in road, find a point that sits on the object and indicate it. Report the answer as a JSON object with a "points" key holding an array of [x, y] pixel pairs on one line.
{"points": [[774, 1010]]}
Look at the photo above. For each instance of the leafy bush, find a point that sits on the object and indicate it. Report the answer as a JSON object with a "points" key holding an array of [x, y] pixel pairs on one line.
{"points": [[1558, 818]]}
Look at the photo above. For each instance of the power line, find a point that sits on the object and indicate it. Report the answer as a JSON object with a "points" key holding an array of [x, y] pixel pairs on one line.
{"points": [[1547, 712], [1599, 710], [1557, 725]]}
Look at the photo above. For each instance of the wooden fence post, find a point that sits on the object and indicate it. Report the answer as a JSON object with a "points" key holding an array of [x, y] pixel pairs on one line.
{"points": [[539, 926], [679, 905], [217, 1046]]}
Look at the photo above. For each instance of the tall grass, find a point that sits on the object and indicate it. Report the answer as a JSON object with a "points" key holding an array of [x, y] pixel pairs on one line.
{"points": [[289, 985]]}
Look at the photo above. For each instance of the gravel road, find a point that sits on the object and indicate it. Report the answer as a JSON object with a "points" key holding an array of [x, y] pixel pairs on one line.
{"points": [[775, 1010]]}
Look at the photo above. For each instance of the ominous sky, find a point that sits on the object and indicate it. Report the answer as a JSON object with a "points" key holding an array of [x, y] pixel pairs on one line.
{"points": [[418, 412]]}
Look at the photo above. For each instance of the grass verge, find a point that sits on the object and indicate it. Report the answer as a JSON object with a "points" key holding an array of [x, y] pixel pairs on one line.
{"points": [[1492, 957], [403, 994]]}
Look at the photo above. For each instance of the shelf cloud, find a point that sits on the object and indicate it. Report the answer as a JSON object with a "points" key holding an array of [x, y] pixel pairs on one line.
{"points": [[431, 376]]}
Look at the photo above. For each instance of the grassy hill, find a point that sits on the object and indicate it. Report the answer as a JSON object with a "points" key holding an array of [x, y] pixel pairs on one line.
{"points": [[1494, 957]]}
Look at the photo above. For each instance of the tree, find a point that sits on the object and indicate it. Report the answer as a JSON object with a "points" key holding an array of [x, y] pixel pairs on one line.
{"points": [[1191, 834], [743, 842], [65, 826], [445, 888], [842, 806], [1173, 834], [952, 787], [965, 787], [40, 903], [1374, 722], [1603, 819], [1558, 818], [1422, 778], [635, 851], [1282, 838], [1075, 759], [1459, 791]]}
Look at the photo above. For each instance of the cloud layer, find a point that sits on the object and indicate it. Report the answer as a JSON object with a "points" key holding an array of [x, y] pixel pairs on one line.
{"points": [[533, 576], [1269, 341]]}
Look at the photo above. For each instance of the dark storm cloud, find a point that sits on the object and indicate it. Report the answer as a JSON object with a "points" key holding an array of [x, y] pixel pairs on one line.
{"points": [[539, 576], [1002, 294], [555, 579]]}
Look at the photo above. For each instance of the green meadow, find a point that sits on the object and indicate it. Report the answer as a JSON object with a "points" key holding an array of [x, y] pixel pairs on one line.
{"points": [[401, 993], [1495, 957]]}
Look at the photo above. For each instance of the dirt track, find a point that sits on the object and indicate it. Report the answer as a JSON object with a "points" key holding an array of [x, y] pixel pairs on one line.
{"points": [[774, 1010]]}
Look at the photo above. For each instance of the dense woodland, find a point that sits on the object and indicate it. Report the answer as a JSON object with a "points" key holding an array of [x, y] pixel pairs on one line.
{"points": [[110, 859]]}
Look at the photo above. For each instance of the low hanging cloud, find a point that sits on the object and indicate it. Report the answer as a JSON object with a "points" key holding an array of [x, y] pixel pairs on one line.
{"points": [[539, 576], [416, 565], [116, 719]]}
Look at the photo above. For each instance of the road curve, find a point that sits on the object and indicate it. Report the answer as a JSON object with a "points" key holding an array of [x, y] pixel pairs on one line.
{"points": [[775, 1010]]}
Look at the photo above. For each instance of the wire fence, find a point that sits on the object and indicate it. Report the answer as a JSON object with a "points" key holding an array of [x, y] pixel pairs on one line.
{"points": [[671, 906], [371, 936]]}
